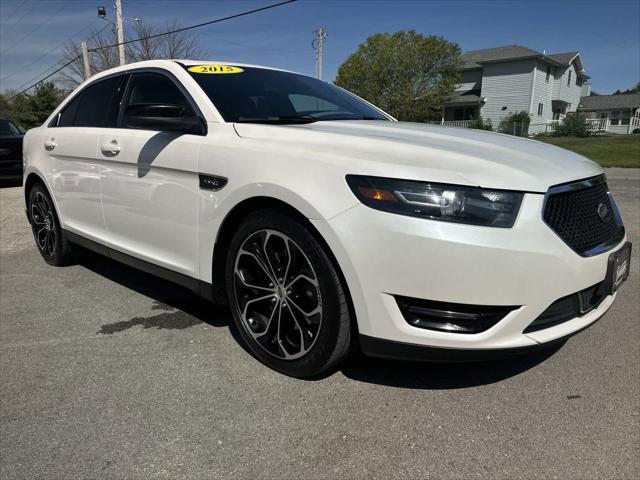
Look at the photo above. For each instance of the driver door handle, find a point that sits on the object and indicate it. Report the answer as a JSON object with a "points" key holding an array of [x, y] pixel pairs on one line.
{"points": [[49, 145], [110, 149]]}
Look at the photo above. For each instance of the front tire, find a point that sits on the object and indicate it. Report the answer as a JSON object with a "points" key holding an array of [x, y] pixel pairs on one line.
{"points": [[47, 231], [286, 297]]}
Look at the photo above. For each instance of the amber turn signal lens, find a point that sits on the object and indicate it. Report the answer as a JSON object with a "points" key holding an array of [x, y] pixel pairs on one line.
{"points": [[377, 194]]}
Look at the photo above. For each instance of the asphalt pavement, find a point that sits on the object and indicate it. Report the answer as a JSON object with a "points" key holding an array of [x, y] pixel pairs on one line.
{"points": [[109, 373]]}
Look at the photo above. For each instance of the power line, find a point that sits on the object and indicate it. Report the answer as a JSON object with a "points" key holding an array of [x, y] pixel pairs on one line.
{"points": [[184, 29], [15, 10], [29, 9], [61, 60], [48, 76], [210, 22], [53, 49], [44, 22]]}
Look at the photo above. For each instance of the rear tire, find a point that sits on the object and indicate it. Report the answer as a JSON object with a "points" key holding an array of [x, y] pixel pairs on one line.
{"points": [[47, 231], [286, 297]]}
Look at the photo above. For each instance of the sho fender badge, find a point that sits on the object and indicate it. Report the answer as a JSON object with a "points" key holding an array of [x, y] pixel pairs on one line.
{"points": [[211, 182]]}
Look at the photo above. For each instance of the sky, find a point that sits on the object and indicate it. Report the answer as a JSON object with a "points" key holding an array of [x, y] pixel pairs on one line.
{"points": [[606, 33]]}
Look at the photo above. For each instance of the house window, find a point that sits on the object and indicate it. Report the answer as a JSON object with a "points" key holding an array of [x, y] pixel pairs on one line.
{"points": [[548, 72], [540, 107], [464, 113], [615, 117], [569, 79]]}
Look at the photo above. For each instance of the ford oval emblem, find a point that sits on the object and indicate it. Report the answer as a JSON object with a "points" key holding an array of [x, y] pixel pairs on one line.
{"points": [[603, 212]]}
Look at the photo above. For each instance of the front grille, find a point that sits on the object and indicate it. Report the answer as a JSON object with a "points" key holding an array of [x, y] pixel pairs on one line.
{"points": [[572, 212], [567, 308]]}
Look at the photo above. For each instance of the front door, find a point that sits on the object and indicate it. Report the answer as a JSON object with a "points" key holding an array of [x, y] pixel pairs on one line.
{"points": [[150, 181]]}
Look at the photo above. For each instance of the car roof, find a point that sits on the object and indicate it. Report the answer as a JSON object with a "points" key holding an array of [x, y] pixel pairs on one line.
{"points": [[187, 62]]}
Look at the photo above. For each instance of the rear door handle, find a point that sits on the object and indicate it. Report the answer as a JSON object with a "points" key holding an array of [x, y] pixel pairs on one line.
{"points": [[49, 145], [110, 149]]}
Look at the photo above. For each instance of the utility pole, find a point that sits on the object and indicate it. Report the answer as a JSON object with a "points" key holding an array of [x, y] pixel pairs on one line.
{"points": [[120, 32], [317, 45], [85, 58]]}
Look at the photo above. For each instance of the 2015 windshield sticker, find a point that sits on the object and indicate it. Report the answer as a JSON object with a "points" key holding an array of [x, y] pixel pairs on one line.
{"points": [[215, 69]]}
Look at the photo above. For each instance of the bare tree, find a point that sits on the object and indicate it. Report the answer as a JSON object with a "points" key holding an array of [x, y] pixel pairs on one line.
{"points": [[101, 57]]}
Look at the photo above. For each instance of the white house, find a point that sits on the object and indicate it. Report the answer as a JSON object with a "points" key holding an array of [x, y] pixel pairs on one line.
{"points": [[497, 82]]}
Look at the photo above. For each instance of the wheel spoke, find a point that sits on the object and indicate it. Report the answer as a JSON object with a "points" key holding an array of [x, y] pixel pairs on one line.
{"points": [[260, 262], [301, 277], [300, 330], [254, 300], [289, 260], [240, 277], [315, 311]]}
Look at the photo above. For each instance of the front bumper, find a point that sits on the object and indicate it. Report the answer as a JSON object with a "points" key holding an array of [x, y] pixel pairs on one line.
{"points": [[384, 255]]}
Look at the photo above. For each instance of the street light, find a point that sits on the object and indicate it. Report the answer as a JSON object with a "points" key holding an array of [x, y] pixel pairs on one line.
{"points": [[102, 13]]}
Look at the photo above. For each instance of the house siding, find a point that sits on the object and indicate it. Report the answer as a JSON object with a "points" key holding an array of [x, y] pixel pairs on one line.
{"points": [[470, 80], [569, 93], [542, 93], [506, 84]]}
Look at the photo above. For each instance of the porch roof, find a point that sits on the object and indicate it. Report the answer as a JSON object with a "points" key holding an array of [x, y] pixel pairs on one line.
{"points": [[610, 102], [469, 97]]}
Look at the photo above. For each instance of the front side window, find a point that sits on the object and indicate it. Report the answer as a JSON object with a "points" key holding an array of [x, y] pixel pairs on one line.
{"points": [[569, 79], [259, 95], [155, 95], [540, 108]]}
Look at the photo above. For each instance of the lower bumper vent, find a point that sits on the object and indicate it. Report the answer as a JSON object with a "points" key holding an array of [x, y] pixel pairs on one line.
{"points": [[451, 317], [567, 308]]}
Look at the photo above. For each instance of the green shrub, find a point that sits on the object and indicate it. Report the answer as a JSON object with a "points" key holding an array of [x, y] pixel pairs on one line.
{"points": [[482, 124], [574, 125], [516, 124]]}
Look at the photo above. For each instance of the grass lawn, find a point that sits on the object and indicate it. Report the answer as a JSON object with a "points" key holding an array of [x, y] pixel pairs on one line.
{"points": [[612, 151]]}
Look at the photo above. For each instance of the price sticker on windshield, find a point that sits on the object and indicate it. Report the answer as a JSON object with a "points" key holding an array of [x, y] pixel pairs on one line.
{"points": [[215, 69]]}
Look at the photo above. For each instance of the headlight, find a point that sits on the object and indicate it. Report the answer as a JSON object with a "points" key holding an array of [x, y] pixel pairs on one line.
{"points": [[437, 201]]}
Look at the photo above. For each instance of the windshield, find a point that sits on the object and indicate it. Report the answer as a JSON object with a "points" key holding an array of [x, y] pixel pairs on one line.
{"points": [[8, 128], [257, 95]]}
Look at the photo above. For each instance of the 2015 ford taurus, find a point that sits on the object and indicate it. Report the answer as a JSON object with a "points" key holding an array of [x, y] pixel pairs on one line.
{"points": [[321, 220]]}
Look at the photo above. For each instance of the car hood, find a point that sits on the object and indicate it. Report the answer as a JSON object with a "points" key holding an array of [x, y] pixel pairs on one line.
{"points": [[428, 152]]}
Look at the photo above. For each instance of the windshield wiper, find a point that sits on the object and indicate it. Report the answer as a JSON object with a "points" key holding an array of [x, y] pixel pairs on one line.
{"points": [[353, 118], [280, 120]]}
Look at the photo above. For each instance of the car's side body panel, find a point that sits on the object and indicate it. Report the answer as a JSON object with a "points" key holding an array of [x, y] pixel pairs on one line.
{"points": [[149, 196]]}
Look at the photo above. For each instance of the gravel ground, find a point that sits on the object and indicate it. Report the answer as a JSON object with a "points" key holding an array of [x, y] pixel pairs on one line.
{"points": [[106, 372]]}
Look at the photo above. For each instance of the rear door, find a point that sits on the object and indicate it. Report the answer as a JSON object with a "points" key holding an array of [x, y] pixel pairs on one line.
{"points": [[150, 180], [71, 148]]}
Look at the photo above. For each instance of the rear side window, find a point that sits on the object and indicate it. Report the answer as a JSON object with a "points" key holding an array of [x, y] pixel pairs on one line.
{"points": [[96, 106], [67, 115]]}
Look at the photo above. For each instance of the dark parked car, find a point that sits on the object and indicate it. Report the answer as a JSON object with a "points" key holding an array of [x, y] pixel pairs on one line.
{"points": [[10, 149]]}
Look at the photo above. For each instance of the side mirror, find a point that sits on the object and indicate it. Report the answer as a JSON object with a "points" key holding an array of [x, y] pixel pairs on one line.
{"points": [[164, 118]]}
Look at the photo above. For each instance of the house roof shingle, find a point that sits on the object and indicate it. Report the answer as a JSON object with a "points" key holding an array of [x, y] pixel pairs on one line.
{"points": [[610, 102], [562, 58], [475, 58]]}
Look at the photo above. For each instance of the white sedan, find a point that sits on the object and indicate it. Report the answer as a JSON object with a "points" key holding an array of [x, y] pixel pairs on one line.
{"points": [[325, 224]]}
